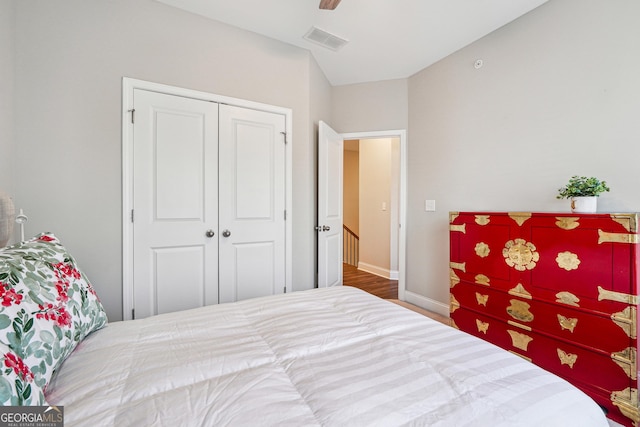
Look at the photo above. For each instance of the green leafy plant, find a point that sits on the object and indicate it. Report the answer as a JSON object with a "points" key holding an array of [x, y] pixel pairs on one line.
{"points": [[581, 186]]}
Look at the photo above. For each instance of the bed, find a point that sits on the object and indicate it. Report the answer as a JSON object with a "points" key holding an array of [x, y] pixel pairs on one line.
{"points": [[323, 357]]}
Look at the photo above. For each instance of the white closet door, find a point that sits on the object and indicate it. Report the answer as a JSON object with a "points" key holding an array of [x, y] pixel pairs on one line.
{"points": [[251, 203], [175, 201]]}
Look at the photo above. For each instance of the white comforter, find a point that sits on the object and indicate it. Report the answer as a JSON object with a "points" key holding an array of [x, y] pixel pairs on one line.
{"points": [[330, 357]]}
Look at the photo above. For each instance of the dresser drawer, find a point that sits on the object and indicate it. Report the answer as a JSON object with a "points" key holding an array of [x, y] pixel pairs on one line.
{"points": [[587, 254], [609, 332], [572, 362], [550, 255], [476, 249]]}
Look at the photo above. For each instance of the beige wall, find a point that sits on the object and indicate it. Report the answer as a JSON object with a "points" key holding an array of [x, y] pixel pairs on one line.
{"points": [[6, 95], [370, 106], [375, 191], [71, 57], [558, 95], [351, 191]]}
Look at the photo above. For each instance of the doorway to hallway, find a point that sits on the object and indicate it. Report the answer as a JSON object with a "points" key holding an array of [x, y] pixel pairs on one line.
{"points": [[371, 211]]}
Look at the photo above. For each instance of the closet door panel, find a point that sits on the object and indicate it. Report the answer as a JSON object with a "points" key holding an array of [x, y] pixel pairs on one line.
{"points": [[175, 201], [252, 203]]}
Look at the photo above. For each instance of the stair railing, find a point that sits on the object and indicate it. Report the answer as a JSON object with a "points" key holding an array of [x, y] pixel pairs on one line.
{"points": [[350, 246]]}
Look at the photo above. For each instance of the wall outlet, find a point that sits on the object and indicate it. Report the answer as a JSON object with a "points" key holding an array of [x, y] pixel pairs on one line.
{"points": [[430, 205]]}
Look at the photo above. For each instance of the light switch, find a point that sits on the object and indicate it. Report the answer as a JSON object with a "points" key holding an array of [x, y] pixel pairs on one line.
{"points": [[430, 205], [384, 206]]}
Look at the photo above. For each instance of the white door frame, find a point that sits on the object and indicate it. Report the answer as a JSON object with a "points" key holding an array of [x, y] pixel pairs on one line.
{"points": [[128, 86], [401, 134]]}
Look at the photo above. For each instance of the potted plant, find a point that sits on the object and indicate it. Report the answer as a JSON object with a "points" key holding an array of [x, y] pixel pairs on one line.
{"points": [[583, 193]]}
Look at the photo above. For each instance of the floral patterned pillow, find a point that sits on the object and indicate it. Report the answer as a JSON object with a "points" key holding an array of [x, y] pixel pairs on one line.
{"points": [[17, 387], [47, 306]]}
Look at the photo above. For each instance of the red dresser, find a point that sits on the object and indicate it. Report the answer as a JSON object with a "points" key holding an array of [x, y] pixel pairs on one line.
{"points": [[560, 290]]}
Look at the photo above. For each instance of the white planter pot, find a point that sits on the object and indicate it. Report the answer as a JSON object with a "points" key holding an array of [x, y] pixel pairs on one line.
{"points": [[584, 204]]}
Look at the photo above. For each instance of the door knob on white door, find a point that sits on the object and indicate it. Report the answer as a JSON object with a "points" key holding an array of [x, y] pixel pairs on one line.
{"points": [[209, 233], [226, 233]]}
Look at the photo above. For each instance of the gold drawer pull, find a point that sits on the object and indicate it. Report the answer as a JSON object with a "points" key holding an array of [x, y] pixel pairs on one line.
{"points": [[482, 326], [567, 358], [519, 310], [482, 299], [519, 340], [567, 322]]}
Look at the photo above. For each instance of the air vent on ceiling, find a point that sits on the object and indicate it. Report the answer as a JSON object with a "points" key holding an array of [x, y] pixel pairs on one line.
{"points": [[325, 39]]}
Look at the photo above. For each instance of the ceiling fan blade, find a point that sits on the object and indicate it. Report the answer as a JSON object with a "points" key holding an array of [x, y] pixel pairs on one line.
{"points": [[329, 4]]}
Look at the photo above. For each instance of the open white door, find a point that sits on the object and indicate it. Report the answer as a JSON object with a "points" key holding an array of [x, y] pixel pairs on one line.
{"points": [[329, 228]]}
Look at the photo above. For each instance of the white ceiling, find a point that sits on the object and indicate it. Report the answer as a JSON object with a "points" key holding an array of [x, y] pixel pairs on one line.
{"points": [[388, 39]]}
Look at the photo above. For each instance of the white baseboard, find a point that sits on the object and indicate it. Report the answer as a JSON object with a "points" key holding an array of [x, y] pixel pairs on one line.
{"points": [[427, 303], [378, 271]]}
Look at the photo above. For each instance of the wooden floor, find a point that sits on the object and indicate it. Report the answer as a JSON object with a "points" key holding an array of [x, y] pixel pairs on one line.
{"points": [[376, 285], [383, 288]]}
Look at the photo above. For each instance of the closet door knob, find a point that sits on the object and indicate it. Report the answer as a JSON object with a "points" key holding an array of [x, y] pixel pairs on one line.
{"points": [[226, 233], [209, 233]]}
